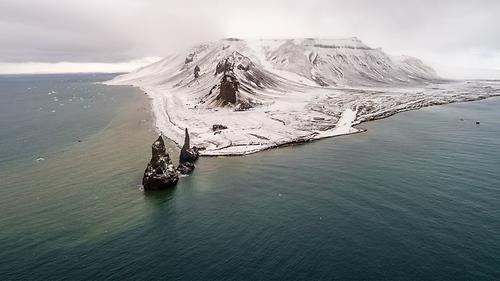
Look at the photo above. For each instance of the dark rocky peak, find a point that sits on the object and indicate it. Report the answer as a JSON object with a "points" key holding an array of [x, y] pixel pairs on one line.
{"points": [[234, 61], [196, 71], [187, 141], [158, 148], [160, 172], [228, 89], [188, 156], [188, 153], [223, 66], [242, 62]]}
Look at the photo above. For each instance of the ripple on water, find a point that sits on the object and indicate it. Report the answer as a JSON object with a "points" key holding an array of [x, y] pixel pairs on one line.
{"points": [[415, 197]]}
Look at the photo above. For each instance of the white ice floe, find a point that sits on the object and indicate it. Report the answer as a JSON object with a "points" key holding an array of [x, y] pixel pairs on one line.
{"points": [[299, 90]]}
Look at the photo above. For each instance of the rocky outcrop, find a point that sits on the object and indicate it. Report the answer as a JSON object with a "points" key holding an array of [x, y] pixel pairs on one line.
{"points": [[218, 127], [243, 106], [228, 89], [185, 168], [196, 72], [224, 66], [229, 84], [160, 172], [188, 156], [189, 58]]}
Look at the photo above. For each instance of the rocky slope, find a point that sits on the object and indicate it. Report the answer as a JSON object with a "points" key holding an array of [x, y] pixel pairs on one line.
{"points": [[279, 65], [272, 92]]}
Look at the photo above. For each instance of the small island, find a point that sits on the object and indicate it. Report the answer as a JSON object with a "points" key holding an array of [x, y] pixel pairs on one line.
{"points": [[160, 172]]}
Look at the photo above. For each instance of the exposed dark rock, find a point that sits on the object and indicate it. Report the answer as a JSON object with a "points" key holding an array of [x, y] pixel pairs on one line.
{"points": [[244, 67], [188, 154], [218, 127], [196, 72], [228, 89], [185, 168], [189, 58], [238, 74], [243, 106], [224, 66], [160, 172]]}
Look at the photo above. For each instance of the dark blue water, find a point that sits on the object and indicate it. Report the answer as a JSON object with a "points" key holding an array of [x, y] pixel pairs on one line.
{"points": [[417, 197]]}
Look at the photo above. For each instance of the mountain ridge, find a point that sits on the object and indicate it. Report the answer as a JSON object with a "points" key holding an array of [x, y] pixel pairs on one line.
{"points": [[267, 93], [306, 62]]}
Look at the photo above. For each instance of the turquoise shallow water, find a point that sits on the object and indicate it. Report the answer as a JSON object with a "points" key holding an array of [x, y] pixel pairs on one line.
{"points": [[416, 197]]}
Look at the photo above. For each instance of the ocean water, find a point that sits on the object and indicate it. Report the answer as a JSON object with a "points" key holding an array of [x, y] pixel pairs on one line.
{"points": [[416, 197]]}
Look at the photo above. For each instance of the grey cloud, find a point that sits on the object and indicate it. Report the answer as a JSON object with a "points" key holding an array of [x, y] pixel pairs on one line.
{"points": [[102, 31], [112, 31]]}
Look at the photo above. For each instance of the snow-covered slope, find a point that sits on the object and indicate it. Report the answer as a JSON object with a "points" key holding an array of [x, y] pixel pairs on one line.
{"points": [[342, 62], [275, 63], [272, 92]]}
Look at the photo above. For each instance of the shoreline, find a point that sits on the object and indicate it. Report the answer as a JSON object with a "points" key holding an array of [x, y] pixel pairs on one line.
{"points": [[240, 97], [107, 162], [157, 103]]}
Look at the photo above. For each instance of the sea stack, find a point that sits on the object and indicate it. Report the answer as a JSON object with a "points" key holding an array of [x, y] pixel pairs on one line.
{"points": [[188, 156], [160, 172]]}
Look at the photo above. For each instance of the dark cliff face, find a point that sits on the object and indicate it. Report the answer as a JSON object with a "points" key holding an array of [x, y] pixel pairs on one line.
{"points": [[228, 89], [196, 72], [160, 172], [188, 156]]}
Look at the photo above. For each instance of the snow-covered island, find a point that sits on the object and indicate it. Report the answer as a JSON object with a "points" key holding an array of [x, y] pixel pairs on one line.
{"points": [[243, 96]]}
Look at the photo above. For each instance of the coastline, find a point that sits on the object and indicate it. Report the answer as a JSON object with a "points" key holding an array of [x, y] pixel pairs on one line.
{"points": [[86, 173], [162, 123], [81, 215], [239, 97]]}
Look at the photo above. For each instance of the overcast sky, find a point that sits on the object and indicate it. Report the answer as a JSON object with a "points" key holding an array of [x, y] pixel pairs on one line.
{"points": [[458, 38]]}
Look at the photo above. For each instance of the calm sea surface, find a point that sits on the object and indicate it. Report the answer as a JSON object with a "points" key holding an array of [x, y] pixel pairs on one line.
{"points": [[416, 197]]}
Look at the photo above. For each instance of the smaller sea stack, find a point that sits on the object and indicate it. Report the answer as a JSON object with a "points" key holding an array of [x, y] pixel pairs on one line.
{"points": [[188, 156], [160, 172]]}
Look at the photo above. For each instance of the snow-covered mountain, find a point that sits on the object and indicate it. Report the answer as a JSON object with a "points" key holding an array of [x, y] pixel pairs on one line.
{"points": [[280, 65], [272, 92]]}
